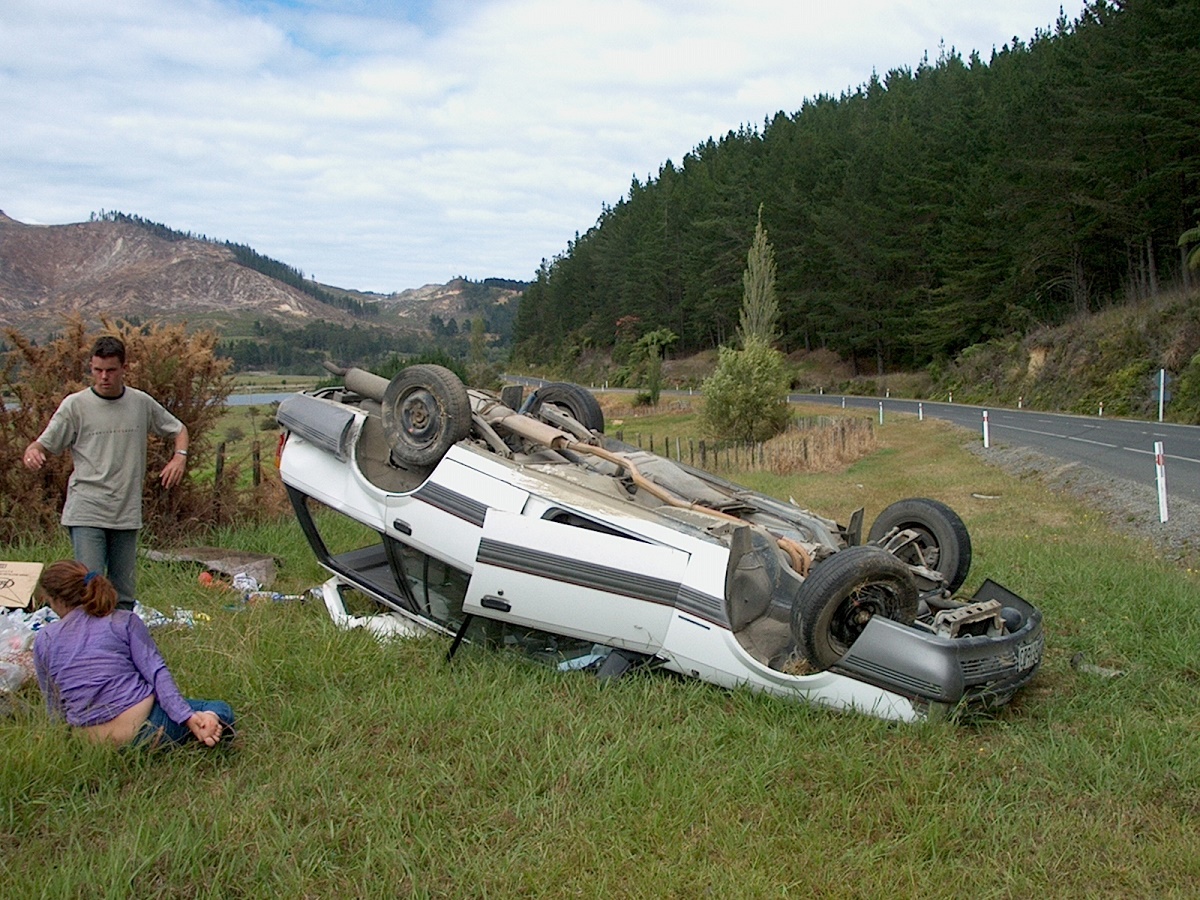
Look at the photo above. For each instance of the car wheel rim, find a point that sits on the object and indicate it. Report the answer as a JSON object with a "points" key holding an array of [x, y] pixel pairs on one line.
{"points": [[420, 417], [852, 614]]}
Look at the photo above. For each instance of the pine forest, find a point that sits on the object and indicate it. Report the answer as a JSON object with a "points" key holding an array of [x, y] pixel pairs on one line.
{"points": [[925, 211]]}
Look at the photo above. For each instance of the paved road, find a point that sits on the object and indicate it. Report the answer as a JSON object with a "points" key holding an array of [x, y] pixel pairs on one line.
{"points": [[1120, 447]]}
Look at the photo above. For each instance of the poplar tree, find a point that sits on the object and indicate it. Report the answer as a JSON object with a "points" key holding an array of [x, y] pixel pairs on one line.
{"points": [[745, 399], [760, 309]]}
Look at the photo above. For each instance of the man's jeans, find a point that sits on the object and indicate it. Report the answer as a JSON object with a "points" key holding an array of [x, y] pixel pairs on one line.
{"points": [[111, 552]]}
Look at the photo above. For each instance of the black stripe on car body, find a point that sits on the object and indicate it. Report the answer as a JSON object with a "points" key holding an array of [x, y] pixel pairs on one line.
{"points": [[456, 504], [702, 605], [573, 571]]}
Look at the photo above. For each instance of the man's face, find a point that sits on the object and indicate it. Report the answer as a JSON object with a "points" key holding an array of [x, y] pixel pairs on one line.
{"points": [[108, 373]]}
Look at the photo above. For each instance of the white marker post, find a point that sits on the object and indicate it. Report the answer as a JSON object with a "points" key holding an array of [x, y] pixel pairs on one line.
{"points": [[920, 412], [987, 437], [1160, 476], [1162, 391], [880, 412]]}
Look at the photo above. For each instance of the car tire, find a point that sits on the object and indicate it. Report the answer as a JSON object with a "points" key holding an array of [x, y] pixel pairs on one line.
{"points": [[943, 540], [426, 411], [577, 400], [841, 594]]}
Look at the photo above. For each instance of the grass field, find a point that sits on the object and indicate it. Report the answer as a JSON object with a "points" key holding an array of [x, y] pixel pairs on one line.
{"points": [[364, 769]]}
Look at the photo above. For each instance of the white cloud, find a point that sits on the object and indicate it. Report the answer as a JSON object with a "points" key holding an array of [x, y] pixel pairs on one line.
{"points": [[383, 146]]}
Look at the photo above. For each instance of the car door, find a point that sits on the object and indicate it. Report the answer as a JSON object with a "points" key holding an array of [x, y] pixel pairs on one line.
{"points": [[617, 591], [445, 515]]}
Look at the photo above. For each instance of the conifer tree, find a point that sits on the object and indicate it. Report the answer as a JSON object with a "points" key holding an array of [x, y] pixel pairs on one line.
{"points": [[760, 309], [746, 396]]}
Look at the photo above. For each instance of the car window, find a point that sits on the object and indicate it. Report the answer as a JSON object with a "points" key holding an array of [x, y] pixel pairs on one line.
{"points": [[566, 517], [437, 588]]}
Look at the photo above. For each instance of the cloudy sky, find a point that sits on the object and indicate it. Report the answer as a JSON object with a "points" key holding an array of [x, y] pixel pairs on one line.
{"points": [[387, 144]]}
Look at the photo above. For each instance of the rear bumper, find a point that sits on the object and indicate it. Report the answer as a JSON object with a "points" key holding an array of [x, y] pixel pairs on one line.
{"points": [[980, 672]]}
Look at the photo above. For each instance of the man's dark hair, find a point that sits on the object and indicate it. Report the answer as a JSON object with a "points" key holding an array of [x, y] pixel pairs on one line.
{"points": [[108, 347]]}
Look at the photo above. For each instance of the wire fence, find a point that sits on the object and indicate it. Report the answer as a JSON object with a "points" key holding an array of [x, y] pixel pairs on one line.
{"points": [[812, 444]]}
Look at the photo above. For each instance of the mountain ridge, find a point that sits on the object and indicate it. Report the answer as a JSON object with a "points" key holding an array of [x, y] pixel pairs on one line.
{"points": [[120, 269]]}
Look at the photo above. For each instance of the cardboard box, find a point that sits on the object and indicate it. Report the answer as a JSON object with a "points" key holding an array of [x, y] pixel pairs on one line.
{"points": [[17, 581]]}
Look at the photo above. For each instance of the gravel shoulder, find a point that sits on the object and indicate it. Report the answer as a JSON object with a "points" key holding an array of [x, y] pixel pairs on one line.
{"points": [[1132, 507]]}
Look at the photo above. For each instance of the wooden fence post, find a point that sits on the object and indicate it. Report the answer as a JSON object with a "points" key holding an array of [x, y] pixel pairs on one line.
{"points": [[220, 465]]}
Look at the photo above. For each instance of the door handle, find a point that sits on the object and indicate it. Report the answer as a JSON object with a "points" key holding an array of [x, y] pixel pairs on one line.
{"points": [[488, 601]]}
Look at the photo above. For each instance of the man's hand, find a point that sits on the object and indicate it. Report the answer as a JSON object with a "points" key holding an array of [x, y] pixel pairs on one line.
{"points": [[35, 456], [172, 472]]}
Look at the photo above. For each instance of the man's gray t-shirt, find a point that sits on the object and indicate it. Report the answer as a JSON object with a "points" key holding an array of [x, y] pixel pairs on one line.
{"points": [[107, 439]]}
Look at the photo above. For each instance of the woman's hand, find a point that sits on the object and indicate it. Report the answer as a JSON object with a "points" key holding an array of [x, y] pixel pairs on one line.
{"points": [[206, 727]]}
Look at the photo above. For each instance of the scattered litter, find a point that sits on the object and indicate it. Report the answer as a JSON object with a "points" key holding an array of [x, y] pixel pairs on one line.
{"points": [[155, 619], [17, 581], [258, 566], [1087, 668], [590, 660], [382, 625], [13, 673], [245, 582], [253, 597], [986, 496], [17, 631]]}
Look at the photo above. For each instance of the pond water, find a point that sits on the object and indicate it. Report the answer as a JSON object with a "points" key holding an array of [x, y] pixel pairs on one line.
{"points": [[256, 399]]}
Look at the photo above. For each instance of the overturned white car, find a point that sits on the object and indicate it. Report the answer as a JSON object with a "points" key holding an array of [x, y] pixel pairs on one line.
{"points": [[515, 518]]}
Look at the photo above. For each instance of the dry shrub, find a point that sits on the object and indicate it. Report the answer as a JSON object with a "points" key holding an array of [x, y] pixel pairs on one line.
{"points": [[33, 380], [828, 446], [619, 407], [823, 444], [181, 370]]}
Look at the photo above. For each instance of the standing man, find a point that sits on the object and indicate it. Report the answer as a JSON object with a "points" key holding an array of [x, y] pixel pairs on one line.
{"points": [[106, 427]]}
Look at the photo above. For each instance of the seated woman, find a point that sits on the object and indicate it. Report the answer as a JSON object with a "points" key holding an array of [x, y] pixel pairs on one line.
{"points": [[99, 668]]}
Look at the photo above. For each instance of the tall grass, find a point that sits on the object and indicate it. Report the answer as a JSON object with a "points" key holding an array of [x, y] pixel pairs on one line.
{"points": [[368, 769]]}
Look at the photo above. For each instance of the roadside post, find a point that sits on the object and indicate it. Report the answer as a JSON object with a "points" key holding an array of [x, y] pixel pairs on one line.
{"points": [[1160, 391], [1160, 476], [987, 438], [920, 412], [880, 412]]}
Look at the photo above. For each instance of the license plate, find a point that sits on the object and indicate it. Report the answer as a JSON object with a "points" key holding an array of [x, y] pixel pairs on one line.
{"points": [[1029, 654]]}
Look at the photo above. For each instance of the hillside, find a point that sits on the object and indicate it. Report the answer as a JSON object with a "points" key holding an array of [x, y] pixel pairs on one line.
{"points": [[124, 267], [119, 270], [929, 210]]}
